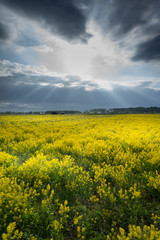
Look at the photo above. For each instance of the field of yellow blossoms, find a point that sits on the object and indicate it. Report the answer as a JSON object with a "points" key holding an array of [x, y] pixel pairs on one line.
{"points": [[80, 177]]}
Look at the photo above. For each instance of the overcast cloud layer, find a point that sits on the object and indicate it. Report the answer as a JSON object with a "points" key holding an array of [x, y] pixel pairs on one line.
{"points": [[70, 54]]}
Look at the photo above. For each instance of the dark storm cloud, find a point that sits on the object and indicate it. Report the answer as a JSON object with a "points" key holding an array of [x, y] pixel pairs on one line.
{"points": [[126, 15], [63, 17], [120, 17], [143, 15], [149, 50], [117, 18], [3, 32]]}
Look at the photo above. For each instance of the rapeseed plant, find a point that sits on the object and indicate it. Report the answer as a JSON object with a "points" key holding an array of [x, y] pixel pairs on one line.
{"points": [[80, 177]]}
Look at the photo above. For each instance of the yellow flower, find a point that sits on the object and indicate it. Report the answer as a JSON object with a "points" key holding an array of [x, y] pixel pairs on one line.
{"points": [[75, 221], [4, 236], [78, 229], [11, 228]]}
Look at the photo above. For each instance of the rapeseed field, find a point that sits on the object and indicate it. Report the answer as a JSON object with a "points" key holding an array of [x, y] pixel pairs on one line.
{"points": [[80, 177]]}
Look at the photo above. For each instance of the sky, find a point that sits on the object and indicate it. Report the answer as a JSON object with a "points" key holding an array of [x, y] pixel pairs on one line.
{"points": [[79, 54]]}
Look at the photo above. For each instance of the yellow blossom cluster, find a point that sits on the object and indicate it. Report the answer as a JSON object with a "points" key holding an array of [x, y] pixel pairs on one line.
{"points": [[136, 232], [80, 177]]}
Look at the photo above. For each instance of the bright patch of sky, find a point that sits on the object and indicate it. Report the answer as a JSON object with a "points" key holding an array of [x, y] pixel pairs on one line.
{"points": [[89, 47]]}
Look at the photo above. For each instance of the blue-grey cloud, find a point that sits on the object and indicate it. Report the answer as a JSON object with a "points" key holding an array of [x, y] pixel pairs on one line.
{"points": [[27, 39], [123, 16], [120, 18], [149, 50], [21, 92], [63, 17], [69, 18], [4, 35], [126, 15]]}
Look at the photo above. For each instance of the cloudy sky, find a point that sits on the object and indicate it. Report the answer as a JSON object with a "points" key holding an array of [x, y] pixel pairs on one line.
{"points": [[79, 54]]}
